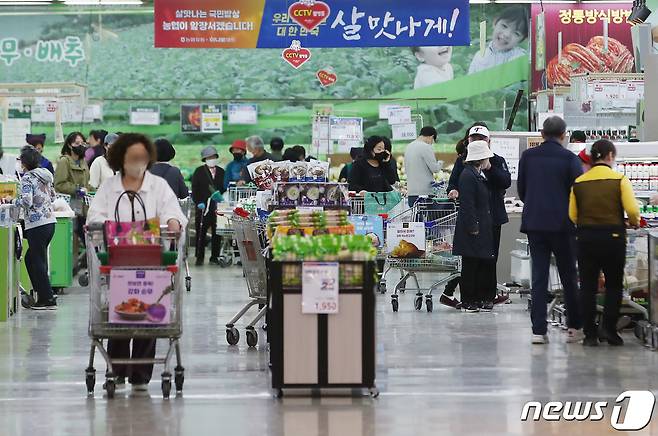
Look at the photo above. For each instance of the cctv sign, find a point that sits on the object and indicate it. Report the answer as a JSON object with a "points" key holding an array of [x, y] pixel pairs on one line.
{"points": [[631, 411]]}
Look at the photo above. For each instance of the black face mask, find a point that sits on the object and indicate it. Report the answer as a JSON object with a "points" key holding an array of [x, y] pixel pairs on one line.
{"points": [[237, 156], [78, 151], [380, 157]]}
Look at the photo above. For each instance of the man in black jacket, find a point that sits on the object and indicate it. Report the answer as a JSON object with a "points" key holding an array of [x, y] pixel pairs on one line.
{"points": [[546, 175], [207, 187], [499, 180]]}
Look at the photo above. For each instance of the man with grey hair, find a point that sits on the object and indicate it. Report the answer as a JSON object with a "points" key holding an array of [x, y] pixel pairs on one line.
{"points": [[546, 175], [255, 146]]}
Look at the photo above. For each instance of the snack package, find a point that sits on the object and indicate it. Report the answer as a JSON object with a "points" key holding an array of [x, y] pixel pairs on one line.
{"points": [[297, 171], [261, 174], [311, 193], [335, 195], [288, 194], [317, 171], [280, 171]]}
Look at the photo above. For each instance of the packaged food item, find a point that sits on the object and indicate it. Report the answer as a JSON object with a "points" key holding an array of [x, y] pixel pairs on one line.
{"points": [[311, 193], [325, 247], [261, 173], [280, 171], [297, 171], [317, 171], [334, 195], [288, 194]]}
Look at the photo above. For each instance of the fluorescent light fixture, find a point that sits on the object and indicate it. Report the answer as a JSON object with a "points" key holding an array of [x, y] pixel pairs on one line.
{"points": [[31, 3]]}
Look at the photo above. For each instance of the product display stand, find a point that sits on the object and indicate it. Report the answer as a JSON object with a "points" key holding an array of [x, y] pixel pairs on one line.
{"points": [[60, 254], [647, 331], [320, 351], [9, 269]]}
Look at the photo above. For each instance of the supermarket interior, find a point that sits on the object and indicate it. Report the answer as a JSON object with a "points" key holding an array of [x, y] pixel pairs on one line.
{"points": [[328, 217]]}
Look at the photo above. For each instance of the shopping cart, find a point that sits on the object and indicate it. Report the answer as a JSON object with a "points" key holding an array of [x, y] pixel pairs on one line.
{"points": [[224, 229], [186, 207], [251, 238], [357, 205], [236, 193], [440, 218], [103, 325]]}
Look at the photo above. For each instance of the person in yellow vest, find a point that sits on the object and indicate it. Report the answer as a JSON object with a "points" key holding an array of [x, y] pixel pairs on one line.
{"points": [[597, 204]]}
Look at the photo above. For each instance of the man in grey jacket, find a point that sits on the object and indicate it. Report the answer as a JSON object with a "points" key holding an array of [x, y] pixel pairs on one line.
{"points": [[420, 164]]}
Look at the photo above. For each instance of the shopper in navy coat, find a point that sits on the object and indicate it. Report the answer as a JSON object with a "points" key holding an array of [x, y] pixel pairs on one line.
{"points": [[546, 175]]}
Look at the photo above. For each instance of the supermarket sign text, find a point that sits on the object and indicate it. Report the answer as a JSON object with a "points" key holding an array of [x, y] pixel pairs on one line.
{"points": [[638, 407], [593, 16], [327, 23], [69, 49]]}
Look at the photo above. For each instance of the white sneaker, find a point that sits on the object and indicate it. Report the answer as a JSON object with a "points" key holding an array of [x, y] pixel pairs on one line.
{"points": [[575, 335], [140, 387], [540, 339]]}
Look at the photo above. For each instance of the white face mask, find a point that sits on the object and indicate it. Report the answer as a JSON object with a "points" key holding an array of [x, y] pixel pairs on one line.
{"points": [[212, 163], [134, 170]]}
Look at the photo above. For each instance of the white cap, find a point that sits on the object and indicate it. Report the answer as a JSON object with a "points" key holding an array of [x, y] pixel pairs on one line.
{"points": [[479, 130], [478, 150]]}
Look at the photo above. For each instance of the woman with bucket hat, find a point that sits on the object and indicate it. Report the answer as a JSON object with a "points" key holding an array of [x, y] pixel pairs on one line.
{"points": [[473, 239], [207, 190]]}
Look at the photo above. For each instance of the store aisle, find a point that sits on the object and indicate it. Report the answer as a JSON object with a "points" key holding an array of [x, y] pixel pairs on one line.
{"points": [[439, 373]]}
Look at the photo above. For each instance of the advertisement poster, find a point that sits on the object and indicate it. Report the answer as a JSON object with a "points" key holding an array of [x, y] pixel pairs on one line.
{"points": [[211, 119], [405, 240], [140, 296], [371, 226], [242, 113], [335, 23], [582, 41], [190, 118], [145, 115]]}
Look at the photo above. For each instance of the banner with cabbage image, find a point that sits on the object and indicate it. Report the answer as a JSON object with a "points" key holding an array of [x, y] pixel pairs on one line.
{"points": [[450, 87]]}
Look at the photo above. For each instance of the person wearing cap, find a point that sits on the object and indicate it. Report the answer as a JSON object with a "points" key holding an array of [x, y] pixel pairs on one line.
{"points": [[276, 149], [579, 137], [165, 152], [473, 239], [546, 175], [234, 168], [38, 141], [207, 187], [100, 170], [420, 164], [498, 180], [256, 147]]}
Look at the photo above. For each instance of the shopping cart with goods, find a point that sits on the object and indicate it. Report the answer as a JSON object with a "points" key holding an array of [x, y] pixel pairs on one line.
{"points": [[435, 220], [224, 229], [251, 238], [238, 194], [135, 293]]}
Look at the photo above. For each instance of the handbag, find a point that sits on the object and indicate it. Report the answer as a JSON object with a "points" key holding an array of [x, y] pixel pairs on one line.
{"points": [[143, 232], [381, 203]]}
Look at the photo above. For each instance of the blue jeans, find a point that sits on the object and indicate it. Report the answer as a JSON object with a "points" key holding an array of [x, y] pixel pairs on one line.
{"points": [[562, 245]]}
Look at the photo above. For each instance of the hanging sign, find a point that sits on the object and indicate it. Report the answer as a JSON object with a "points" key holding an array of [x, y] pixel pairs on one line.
{"points": [[211, 118], [309, 13], [329, 23], [242, 113], [346, 128], [399, 115], [403, 132], [326, 77], [145, 115], [295, 55], [320, 287]]}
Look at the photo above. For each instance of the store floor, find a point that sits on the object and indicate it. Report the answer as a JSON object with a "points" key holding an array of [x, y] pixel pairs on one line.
{"points": [[439, 373]]}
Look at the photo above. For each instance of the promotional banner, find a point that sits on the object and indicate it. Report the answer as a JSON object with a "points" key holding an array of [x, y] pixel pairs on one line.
{"points": [[140, 297], [583, 45], [329, 23]]}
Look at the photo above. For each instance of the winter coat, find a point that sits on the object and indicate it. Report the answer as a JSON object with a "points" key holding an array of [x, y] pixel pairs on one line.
{"points": [[71, 176], [474, 229]]}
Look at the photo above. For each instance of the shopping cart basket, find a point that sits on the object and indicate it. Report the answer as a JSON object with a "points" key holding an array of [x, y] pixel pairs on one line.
{"points": [[440, 218], [236, 193], [251, 238], [103, 323], [224, 229]]}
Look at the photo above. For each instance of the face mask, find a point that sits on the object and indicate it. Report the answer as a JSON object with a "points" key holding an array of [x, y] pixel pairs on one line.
{"points": [[78, 151], [250, 155], [134, 170], [238, 156], [381, 156], [212, 163]]}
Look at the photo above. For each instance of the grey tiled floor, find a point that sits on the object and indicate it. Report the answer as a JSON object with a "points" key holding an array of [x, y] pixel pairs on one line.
{"points": [[439, 373]]}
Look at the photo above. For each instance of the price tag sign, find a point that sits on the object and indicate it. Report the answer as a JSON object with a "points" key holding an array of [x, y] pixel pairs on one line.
{"points": [[319, 287], [404, 131]]}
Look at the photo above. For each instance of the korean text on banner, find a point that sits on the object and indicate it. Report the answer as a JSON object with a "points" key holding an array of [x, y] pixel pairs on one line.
{"points": [[349, 23]]}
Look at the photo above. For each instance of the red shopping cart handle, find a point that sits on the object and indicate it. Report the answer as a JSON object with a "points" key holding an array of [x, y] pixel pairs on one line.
{"points": [[106, 269]]}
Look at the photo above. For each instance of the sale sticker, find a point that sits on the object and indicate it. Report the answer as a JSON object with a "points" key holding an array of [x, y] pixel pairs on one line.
{"points": [[326, 77], [309, 13], [295, 55], [320, 287]]}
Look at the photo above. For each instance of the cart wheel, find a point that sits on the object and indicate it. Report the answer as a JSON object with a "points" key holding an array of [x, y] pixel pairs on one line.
{"points": [[90, 380], [278, 393], [382, 287], [418, 302], [429, 305], [638, 330], [395, 304], [252, 338], [110, 387], [179, 379], [27, 300], [374, 392], [232, 336], [166, 389], [188, 283], [83, 279], [224, 262]]}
